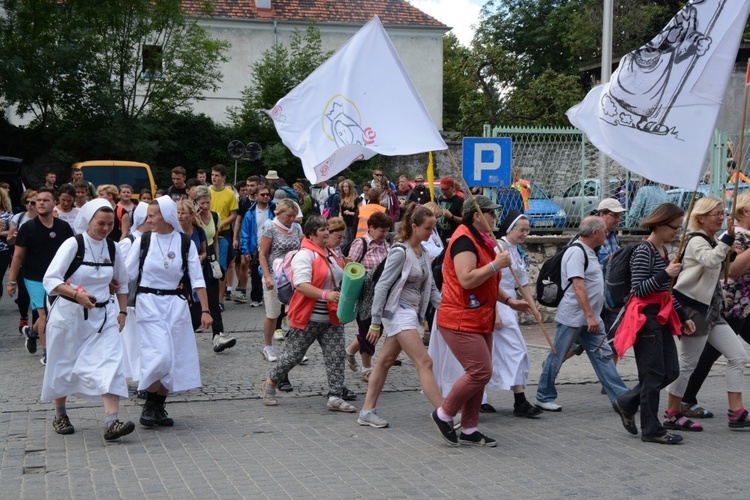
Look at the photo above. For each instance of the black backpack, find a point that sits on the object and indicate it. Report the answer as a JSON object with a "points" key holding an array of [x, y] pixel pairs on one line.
{"points": [[437, 270], [348, 246], [549, 289], [184, 287], [81, 251], [617, 284]]}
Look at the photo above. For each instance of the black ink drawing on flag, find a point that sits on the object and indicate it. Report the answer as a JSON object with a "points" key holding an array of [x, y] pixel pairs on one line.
{"points": [[649, 80]]}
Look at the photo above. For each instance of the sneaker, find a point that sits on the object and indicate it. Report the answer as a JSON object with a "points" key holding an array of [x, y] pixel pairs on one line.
{"points": [[304, 361], [21, 324], [221, 307], [161, 417], [527, 410], [62, 425], [227, 295], [628, 419], [446, 429], [43, 359], [372, 419], [268, 394], [338, 404], [118, 429], [351, 362], [256, 303], [30, 337], [240, 297], [548, 405], [269, 353], [223, 341], [279, 334], [477, 439]]}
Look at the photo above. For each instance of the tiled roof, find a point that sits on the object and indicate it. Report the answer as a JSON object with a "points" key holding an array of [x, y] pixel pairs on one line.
{"points": [[358, 12]]}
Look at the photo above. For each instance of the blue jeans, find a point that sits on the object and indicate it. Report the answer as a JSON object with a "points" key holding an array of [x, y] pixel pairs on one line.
{"points": [[600, 356]]}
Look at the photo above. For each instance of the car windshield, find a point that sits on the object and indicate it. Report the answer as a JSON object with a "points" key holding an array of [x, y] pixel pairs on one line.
{"points": [[537, 193], [136, 177]]}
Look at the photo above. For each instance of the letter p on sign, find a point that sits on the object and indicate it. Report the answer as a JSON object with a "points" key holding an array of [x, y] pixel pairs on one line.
{"points": [[487, 161]]}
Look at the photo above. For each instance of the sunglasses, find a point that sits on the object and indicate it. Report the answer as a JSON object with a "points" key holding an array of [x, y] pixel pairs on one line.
{"points": [[264, 194], [378, 175], [32, 203]]}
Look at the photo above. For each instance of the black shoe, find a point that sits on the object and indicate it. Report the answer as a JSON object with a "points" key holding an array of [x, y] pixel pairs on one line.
{"points": [[487, 408], [349, 395], [30, 337], [285, 386], [162, 417], [118, 429], [140, 394], [398, 362], [527, 410], [477, 439], [221, 307], [446, 429], [628, 420], [148, 414], [665, 439]]}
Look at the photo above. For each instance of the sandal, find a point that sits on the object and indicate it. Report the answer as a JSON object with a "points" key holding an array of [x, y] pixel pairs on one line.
{"points": [[681, 422], [695, 411], [268, 393], [366, 374], [665, 439], [351, 362], [338, 404], [738, 421]]}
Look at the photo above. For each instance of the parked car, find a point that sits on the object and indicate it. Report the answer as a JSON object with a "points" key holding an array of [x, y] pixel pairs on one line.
{"points": [[118, 172], [10, 172], [582, 198], [543, 212], [681, 197]]}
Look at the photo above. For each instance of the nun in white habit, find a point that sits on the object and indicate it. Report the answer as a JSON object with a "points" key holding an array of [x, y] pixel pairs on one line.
{"points": [[84, 352], [169, 354], [131, 339]]}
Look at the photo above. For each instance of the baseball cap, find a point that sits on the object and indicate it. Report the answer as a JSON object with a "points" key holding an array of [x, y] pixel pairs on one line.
{"points": [[610, 204], [447, 182], [483, 202]]}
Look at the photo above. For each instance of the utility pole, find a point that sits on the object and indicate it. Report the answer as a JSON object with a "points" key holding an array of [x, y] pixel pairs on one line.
{"points": [[606, 74]]}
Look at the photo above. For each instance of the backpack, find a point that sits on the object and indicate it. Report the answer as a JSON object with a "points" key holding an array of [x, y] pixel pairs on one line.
{"points": [[184, 287], [284, 277], [549, 289], [348, 246], [366, 297], [290, 193], [80, 252], [437, 270], [329, 210], [617, 284]]}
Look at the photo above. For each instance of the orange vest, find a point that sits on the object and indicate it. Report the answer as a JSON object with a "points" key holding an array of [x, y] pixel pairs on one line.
{"points": [[301, 307], [365, 212], [454, 312]]}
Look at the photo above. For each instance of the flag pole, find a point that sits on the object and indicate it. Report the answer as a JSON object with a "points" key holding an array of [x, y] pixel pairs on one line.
{"points": [[684, 235], [526, 296], [738, 164]]}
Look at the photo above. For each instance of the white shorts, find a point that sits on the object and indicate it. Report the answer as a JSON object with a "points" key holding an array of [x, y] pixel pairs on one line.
{"points": [[271, 301], [403, 319]]}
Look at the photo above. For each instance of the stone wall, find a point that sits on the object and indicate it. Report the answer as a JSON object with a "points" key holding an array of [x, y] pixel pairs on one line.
{"points": [[540, 248]]}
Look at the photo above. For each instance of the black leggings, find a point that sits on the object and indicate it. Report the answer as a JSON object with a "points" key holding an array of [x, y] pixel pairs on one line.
{"points": [[212, 292], [708, 358]]}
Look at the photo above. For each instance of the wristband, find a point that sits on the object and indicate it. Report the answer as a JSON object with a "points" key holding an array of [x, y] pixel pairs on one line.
{"points": [[123, 312], [205, 312], [12, 283], [324, 295], [494, 269], [374, 327], [507, 300], [76, 295]]}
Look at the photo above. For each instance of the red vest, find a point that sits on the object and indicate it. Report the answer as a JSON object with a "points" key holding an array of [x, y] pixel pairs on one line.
{"points": [[454, 312], [301, 307]]}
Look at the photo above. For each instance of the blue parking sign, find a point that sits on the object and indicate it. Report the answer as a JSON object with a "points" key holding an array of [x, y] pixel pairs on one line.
{"points": [[487, 161]]}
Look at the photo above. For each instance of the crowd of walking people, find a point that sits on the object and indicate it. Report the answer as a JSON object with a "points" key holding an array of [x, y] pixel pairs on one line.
{"points": [[118, 286]]}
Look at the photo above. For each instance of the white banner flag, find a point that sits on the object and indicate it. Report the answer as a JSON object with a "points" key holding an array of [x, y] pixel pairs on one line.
{"points": [[357, 104], [657, 115]]}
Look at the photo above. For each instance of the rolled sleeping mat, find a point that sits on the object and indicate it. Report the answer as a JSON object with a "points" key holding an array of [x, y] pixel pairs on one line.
{"points": [[351, 289]]}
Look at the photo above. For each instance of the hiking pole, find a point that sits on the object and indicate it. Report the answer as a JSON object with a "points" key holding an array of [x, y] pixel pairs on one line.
{"points": [[678, 255], [524, 292], [738, 165]]}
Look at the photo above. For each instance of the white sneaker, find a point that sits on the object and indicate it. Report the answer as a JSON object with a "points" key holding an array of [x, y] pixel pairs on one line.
{"points": [[279, 334], [548, 406], [269, 353], [256, 304], [223, 341]]}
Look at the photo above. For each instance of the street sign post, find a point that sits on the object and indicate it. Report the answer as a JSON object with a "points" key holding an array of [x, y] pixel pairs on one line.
{"points": [[487, 161]]}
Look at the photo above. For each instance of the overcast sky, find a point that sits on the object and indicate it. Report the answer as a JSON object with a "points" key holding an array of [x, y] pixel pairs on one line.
{"points": [[459, 14]]}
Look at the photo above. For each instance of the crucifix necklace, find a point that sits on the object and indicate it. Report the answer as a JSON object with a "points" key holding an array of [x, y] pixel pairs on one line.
{"points": [[170, 254], [98, 261]]}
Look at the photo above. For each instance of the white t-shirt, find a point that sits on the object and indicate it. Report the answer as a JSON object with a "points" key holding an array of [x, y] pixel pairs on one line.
{"points": [[69, 217]]}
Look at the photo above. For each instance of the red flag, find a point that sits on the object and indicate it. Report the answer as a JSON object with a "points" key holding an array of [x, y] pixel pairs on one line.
{"points": [[747, 75]]}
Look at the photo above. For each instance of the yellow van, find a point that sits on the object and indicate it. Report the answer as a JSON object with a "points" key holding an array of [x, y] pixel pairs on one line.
{"points": [[119, 172]]}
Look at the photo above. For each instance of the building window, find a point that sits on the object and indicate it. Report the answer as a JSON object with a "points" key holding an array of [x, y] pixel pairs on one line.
{"points": [[152, 61]]}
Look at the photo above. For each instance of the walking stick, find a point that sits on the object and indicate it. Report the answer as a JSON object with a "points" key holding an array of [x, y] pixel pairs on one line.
{"points": [[523, 289], [738, 165]]}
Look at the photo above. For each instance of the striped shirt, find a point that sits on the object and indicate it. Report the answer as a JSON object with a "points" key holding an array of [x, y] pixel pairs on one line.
{"points": [[648, 271]]}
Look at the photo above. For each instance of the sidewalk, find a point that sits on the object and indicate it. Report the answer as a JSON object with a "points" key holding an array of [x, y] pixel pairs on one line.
{"points": [[226, 444]]}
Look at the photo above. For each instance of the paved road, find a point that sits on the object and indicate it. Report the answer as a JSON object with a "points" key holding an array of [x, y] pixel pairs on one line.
{"points": [[226, 444]]}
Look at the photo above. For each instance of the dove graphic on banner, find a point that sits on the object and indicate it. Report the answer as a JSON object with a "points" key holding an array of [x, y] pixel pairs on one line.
{"points": [[359, 103], [657, 115]]}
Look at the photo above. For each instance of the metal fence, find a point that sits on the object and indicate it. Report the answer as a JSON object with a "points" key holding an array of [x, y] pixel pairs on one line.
{"points": [[564, 170]]}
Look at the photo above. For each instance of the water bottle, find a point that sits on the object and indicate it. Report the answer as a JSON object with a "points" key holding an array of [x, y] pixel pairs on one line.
{"points": [[473, 302]]}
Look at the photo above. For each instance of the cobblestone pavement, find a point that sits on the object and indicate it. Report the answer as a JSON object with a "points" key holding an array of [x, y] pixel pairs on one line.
{"points": [[226, 444]]}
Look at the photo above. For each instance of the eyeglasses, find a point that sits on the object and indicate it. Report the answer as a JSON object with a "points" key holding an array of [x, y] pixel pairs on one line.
{"points": [[523, 230], [675, 228], [32, 203], [718, 215]]}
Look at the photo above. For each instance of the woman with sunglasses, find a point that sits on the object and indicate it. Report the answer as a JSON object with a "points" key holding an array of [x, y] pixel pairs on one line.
{"points": [[28, 200], [641, 327], [698, 289]]}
